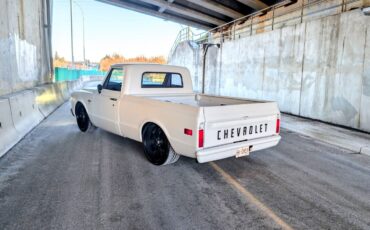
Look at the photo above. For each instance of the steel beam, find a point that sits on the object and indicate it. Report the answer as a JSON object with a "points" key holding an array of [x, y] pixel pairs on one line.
{"points": [[155, 13], [185, 11], [216, 7], [255, 4], [162, 9]]}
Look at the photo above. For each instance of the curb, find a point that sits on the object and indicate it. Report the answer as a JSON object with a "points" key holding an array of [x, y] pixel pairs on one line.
{"points": [[360, 148]]}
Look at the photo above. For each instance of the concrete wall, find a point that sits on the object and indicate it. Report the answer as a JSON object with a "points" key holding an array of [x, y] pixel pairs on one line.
{"points": [[20, 112], [26, 94], [24, 51], [318, 69]]}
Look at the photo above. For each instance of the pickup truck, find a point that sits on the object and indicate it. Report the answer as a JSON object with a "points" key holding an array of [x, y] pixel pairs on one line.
{"points": [[155, 104]]}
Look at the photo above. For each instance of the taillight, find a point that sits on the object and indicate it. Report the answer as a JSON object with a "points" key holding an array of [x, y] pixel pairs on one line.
{"points": [[188, 132], [200, 138], [278, 126]]}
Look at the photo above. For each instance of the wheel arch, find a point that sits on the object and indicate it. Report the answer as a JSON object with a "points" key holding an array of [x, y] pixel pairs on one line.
{"points": [[146, 123], [82, 103]]}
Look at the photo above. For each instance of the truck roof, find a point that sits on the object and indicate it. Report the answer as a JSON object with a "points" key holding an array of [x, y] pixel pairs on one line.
{"points": [[142, 65], [135, 71]]}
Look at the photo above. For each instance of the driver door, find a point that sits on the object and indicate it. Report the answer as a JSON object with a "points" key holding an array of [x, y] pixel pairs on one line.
{"points": [[106, 102]]}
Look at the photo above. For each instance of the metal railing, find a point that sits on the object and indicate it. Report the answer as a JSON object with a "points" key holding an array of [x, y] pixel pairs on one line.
{"points": [[185, 34], [266, 19]]}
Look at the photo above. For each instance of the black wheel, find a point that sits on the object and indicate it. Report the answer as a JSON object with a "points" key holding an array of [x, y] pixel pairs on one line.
{"points": [[157, 147], [82, 118]]}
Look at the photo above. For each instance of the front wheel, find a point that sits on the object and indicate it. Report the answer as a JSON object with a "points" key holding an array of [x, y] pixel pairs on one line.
{"points": [[83, 120], [157, 148]]}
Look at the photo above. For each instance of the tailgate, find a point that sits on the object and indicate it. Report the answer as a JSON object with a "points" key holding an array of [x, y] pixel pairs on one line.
{"points": [[235, 123]]}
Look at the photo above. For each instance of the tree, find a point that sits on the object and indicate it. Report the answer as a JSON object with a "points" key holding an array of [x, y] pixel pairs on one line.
{"points": [[115, 58], [59, 61]]}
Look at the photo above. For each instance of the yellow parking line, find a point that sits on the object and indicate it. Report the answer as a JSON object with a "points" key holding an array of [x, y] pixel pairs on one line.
{"points": [[266, 210]]}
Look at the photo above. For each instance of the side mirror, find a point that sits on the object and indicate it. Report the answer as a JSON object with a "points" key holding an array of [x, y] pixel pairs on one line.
{"points": [[100, 88]]}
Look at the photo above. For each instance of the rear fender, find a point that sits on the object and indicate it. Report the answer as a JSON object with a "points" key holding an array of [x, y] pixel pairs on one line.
{"points": [[158, 123]]}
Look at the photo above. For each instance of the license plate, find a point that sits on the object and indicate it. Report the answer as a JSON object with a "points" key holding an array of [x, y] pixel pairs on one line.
{"points": [[244, 151]]}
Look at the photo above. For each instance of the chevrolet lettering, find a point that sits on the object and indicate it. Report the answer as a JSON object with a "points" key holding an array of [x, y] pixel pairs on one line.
{"points": [[241, 131]]}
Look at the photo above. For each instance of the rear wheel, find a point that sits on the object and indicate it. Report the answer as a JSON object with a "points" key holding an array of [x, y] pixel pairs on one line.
{"points": [[83, 120], [157, 148]]}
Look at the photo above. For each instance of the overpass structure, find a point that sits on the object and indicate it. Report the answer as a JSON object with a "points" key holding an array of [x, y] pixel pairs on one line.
{"points": [[311, 57], [205, 14], [297, 42]]}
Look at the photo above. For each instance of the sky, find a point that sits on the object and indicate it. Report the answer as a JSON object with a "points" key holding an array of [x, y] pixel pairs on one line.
{"points": [[110, 29]]}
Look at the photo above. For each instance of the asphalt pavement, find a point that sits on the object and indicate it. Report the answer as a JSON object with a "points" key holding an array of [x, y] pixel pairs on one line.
{"points": [[60, 178]]}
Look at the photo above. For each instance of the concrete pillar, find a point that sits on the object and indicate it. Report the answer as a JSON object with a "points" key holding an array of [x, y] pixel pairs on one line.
{"points": [[24, 60]]}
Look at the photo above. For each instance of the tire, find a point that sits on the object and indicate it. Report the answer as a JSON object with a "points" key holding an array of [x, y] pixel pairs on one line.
{"points": [[157, 148], [82, 118]]}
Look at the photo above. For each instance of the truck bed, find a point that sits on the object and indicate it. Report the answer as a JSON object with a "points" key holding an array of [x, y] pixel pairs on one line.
{"points": [[202, 100], [229, 120]]}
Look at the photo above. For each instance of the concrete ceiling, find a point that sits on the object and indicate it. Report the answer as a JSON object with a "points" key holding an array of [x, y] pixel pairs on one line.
{"points": [[204, 14]]}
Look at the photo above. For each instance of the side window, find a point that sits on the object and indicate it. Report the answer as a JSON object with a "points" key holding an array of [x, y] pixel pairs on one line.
{"points": [[161, 80], [115, 80]]}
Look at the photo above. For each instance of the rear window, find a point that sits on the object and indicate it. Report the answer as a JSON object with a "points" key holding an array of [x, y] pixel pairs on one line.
{"points": [[161, 80]]}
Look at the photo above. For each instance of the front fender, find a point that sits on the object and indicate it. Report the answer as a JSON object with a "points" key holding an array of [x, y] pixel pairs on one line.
{"points": [[82, 98]]}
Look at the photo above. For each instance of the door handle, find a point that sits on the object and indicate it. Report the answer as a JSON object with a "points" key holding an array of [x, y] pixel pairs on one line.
{"points": [[113, 99]]}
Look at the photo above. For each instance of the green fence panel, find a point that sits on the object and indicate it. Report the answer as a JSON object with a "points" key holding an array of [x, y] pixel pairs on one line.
{"points": [[65, 74]]}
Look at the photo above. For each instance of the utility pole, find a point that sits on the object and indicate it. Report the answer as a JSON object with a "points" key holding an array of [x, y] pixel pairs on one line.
{"points": [[73, 58], [83, 38], [83, 31]]}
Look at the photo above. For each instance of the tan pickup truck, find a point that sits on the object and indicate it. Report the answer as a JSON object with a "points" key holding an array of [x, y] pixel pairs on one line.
{"points": [[156, 105]]}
